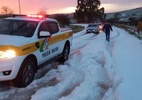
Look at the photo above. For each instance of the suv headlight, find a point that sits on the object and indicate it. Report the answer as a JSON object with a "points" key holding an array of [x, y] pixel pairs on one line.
{"points": [[100, 27], [7, 54]]}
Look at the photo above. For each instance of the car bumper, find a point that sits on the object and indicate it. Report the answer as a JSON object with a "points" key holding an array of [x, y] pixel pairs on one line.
{"points": [[92, 31], [9, 68]]}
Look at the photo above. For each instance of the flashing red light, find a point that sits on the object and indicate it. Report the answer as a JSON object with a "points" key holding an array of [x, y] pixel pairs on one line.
{"points": [[36, 16]]}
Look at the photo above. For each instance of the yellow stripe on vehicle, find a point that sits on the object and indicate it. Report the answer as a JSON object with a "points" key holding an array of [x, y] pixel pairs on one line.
{"points": [[29, 48], [59, 38]]}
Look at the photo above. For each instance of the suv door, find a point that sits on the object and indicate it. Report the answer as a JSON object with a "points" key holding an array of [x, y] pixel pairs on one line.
{"points": [[49, 47], [55, 40], [44, 47]]}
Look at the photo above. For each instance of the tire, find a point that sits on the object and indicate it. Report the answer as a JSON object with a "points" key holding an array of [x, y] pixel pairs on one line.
{"points": [[26, 74], [65, 53], [96, 32]]}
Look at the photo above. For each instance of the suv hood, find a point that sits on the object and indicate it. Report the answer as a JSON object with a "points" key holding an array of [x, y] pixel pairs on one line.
{"points": [[92, 27], [13, 40]]}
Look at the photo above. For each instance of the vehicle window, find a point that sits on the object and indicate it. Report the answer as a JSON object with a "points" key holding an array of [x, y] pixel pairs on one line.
{"points": [[43, 27], [4, 27], [17, 27], [53, 27], [92, 25]]}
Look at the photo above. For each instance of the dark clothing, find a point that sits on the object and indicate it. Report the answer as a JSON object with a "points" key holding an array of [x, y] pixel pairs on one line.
{"points": [[107, 36], [107, 28]]}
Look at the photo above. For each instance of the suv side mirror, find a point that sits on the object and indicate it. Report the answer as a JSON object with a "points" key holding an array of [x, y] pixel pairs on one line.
{"points": [[44, 34]]}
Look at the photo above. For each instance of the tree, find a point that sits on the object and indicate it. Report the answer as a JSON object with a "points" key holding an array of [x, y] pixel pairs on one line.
{"points": [[117, 16], [133, 21], [88, 11], [140, 19], [62, 19], [6, 10], [42, 12]]}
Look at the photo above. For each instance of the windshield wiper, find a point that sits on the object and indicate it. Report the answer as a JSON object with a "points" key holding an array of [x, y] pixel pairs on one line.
{"points": [[13, 31]]}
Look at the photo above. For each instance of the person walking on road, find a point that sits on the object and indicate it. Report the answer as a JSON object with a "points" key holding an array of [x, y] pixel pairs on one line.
{"points": [[107, 28]]}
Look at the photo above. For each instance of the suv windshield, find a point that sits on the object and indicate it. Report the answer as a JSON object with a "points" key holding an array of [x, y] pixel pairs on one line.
{"points": [[92, 25], [17, 27]]}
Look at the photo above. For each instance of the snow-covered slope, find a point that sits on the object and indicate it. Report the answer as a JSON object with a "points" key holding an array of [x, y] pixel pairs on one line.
{"points": [[137, 13]]}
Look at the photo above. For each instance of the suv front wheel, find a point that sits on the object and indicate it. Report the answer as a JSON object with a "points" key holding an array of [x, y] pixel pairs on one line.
{"points": [[26, 74]]}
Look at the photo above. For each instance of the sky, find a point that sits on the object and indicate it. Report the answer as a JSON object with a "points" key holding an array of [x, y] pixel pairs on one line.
{"points": [[96, 70], [65, 6]]}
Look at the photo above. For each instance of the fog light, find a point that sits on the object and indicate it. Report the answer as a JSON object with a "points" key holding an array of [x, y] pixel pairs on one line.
{"points": [[7, 72]]}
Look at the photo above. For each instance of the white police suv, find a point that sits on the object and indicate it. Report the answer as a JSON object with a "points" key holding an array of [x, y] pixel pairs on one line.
{"points": [[26, 42]]}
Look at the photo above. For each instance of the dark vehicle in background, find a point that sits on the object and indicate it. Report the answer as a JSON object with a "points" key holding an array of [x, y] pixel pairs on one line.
{"points": [[94, 28]]}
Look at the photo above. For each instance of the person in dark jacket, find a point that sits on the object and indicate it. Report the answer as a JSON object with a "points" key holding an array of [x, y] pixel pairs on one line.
{"points": [[107, 28]]}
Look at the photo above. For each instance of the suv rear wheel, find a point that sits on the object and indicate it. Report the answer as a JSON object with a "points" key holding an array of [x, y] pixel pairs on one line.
{"points": [[65, 53]]}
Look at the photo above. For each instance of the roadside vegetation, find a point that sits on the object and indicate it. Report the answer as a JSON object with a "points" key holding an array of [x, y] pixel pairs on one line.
{"points": [[76, 28], [129, 29], [64, 21]]}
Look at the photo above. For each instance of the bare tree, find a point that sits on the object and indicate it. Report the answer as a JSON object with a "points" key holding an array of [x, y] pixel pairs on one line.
{"points": [[63, 19], [6, 10], [42, 12]]}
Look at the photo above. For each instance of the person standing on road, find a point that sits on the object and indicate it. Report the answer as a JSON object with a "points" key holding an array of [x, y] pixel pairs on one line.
{"points": [[139, 27], [107, 28]]}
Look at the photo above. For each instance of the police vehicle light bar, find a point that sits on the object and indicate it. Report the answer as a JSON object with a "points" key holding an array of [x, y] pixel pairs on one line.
{"points": [[36, 16]]}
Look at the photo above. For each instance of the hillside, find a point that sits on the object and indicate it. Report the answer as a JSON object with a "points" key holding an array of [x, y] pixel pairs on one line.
{"points": [[124, 15], [136, 13]]}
